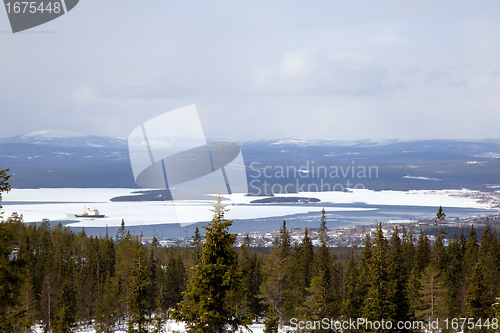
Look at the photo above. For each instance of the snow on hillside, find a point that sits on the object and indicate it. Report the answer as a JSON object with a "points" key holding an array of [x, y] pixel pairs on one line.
{"points": [[52, 134], [65, 138]]}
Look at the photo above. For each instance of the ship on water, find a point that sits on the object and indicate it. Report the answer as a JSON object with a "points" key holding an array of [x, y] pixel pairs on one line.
{"points": [[90, 213]]}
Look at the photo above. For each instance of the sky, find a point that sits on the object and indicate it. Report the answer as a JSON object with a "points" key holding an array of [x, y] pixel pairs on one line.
{"points": [[333, 70]]}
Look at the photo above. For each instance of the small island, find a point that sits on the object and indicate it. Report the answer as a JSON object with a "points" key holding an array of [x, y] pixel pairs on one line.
{"points": [[286, 200]]}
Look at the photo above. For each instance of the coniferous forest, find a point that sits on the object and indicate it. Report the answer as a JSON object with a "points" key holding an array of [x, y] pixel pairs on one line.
{"points": [[62, 280]]}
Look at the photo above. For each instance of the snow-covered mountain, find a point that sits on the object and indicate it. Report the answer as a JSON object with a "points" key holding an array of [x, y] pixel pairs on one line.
{"points": [[61, 158], [65, 138]]}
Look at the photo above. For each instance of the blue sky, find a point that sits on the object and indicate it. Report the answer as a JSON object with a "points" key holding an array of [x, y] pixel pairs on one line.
{"points": [[259, 69]]}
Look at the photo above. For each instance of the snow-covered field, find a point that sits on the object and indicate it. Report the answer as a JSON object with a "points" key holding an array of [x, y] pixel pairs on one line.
{"points": [[62, 203], [171, 326]]}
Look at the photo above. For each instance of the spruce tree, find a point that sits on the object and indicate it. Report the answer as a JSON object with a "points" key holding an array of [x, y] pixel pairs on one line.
{"points": [[440, 217], [479, 300], [271, 322], [324, 299], [10, 281], [249, 267], [398, 278], [303, 267], [196, 247], [359, 281], [471, 253], [4, 185], [407, 247], [353, 300], [138, 295], [414, 293], [439, 258], [175, 281], [66, 317], [278, 283], [208, 301], [454, 279], [378, 305], [432, 295], [256, 306], [422, 252]]}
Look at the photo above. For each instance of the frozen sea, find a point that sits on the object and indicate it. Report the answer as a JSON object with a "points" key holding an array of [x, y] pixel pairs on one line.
{"points": [[179, 218]]}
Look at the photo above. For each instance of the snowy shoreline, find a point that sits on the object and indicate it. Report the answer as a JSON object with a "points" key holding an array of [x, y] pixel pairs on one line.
{"points": [[60, 204]]}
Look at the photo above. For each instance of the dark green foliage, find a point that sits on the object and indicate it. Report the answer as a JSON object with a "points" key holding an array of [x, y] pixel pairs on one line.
{"points": [[357, 282], [398, 278], [439, 258], [4, 184], [271, 322], [378, 304], [196, 247], [249, 266], [454, 278], [440, 217], [66, 316], [138, 294], [211, 302], [324, 292], [10, 280], [422, 252], [353, 300], [174, 282], [277, 290], [480, 299]]}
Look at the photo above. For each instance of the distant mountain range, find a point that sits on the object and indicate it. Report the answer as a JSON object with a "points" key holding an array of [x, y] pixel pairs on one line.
{"points": [[68, 159], [63, 138]]}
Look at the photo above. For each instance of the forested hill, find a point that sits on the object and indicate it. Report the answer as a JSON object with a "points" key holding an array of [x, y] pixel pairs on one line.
{"points": [[88, 161]]}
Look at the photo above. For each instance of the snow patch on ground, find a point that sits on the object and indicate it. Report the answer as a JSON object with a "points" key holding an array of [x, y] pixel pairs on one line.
{"points": [[171, 326]]}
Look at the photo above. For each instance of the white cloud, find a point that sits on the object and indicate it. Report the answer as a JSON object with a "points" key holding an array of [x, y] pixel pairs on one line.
{"points": [[85, 96], [260, 69], [308, 72]]}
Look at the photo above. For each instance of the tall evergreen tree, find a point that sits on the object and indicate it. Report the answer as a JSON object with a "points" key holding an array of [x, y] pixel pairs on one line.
{"points": [[4, 184], [10, 281], [175, 281], [207, 304], [324, 300], [66, 316], [471, 253], [432, 295], [439, 258], [479, 300], [422, 252], [249, 267], [138, 294], [304, 258], [196, 247], [414, 293], [353, 300], [378, 305], [440, 217], [278, 284], [454, 279], [407, 247], [398, 278]]}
